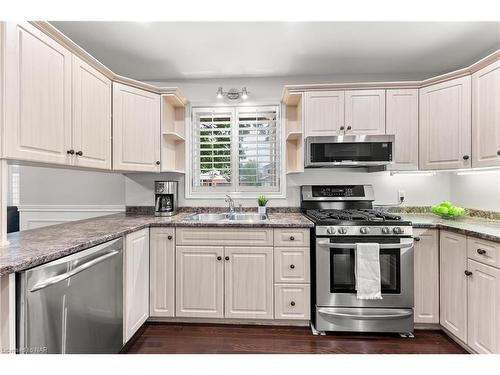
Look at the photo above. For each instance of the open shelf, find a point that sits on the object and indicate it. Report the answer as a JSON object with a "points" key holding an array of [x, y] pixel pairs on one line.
{"points": [[173, 128], [294, 130]]}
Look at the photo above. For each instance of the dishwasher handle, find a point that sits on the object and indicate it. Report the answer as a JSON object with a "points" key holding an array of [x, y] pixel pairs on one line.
{"points": [[56, 279]]}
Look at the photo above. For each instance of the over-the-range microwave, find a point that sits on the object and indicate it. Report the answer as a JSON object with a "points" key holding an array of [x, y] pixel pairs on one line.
{"points": [[349, 151]]}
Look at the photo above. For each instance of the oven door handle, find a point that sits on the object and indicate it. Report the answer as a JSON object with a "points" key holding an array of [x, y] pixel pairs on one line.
{"points": [[350, 315], [353, 245]]}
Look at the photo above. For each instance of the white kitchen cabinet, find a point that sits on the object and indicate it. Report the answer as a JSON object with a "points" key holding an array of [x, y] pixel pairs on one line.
{"points": [[248, 275], [324, 113], [136, 129], [91, 117], [199, 284], [292, 301], [486, 116], [291, 265], [37, 96], [136, 281], [402, 122], [484, 307], [162, 272], [426, 266], [365, 112], [453, 283], [445, 125]]}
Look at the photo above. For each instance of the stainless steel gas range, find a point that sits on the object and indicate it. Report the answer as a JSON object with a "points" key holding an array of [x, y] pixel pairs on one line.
{"points": [[343, 217]]}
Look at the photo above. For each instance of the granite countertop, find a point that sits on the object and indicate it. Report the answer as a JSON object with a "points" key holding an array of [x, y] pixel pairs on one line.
{"points": [[471, 226], [37, 246]]}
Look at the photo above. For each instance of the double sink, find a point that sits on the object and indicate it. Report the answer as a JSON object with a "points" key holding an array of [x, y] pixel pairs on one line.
{"points": [[228, 217]]}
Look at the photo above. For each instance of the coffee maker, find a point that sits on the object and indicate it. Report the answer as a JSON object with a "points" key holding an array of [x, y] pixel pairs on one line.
{"points": [[165, 198]]}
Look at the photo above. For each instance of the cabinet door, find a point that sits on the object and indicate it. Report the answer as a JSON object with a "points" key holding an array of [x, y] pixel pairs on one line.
{"points": [[445, 125], [426, 276], [199, 281], [453, 284], [365, 112], [402, 121], [136, 281], [484, 307], [324, 113], [136, 129], [37, 96], [162, 272], [486, 116], [248, 282], [91, 116]]}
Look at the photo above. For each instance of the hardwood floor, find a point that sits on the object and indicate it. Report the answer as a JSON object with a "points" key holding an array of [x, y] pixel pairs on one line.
{"points": [[176, 338]]}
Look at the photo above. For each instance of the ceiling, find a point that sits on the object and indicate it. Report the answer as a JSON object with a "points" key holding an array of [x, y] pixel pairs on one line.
{"points": [[162, 51]]}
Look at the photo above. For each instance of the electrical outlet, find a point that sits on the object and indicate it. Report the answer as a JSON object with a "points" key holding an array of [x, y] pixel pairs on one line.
{"points": [[401, 195]]}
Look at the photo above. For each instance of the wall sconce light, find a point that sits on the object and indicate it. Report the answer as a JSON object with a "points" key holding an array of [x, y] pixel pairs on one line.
{"points": [[233, 94]]}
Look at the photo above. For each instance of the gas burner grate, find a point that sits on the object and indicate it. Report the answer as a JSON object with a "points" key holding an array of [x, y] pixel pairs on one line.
{"points": [[353, 215]]}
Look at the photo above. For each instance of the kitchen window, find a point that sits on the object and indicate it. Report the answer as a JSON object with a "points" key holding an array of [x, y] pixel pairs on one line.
{"points": [[236, 150]]}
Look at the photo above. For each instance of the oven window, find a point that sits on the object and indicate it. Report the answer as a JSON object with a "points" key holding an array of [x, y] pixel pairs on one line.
{"points": [[342, 278], [332, 152]]}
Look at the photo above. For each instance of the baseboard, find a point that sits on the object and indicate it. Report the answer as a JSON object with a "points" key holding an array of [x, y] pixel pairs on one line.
{"points": [[265, 322], [428, 326]]}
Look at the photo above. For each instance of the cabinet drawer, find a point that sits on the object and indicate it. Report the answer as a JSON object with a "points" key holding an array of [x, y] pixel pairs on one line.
{"points": [[224, 236], [484, 251], [291, 265], [291, 237], [292, 301]]}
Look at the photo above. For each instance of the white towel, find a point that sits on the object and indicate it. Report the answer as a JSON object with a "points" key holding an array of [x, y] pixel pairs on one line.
{"points": [[367, 271]]}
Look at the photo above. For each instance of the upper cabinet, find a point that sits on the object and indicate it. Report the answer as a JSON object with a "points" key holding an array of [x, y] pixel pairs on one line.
{"points": [[365, 112], [486, 116], [173, 134], [324, 113], [91, 117], [136, 129], [402, 122], [445, 125], [37, 96]]}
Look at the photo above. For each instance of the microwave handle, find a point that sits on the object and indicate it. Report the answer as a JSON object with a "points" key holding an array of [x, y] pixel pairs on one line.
{"points": [[353, 245]]}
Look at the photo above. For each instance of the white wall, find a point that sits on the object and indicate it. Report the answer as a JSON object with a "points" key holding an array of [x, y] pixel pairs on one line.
{"points": [[480, 191]]}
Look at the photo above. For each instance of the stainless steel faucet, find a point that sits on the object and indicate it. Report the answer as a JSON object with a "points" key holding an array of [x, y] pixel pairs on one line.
{"points": [[230, 202]]}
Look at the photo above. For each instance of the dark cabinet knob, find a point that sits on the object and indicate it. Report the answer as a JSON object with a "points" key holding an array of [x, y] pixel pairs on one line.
{"points": [[226, 258], [466, 157], [158, 162], [467, 273], [292, 266], [79, 153], [481, 251], [169, 237], [292, 303], [417, 239], [498, 152], [342, 128], [70, 152], [292, 238], [219, 258], [349, 128]]}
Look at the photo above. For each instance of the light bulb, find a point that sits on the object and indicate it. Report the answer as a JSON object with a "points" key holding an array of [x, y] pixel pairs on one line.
{"points": [[219, 93], [244, 93]]}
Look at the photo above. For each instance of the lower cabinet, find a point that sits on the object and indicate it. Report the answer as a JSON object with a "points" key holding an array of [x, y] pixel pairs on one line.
{"points": [[162, 272], [426, 276], [484, 308], [453, 283], [292, 301], [136, 282]]}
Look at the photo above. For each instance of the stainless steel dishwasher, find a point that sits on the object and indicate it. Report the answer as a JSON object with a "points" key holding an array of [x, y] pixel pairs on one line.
{"points": [[73, 304]]}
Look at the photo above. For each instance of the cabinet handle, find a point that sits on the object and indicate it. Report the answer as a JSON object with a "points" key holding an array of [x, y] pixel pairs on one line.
{"points": [[417, 239], [158, 162], [70, 152], [498, 152], [292, 303], [481, 251], [169, 237], [79, 153], [349, 128], [342, 128], [467, 273], [226, 258], [465, 157], [292, 238], [219, 258], [292, 266]]}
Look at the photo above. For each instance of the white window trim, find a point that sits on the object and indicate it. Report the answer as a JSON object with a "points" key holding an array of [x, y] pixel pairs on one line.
{"points": [[190, 193]]}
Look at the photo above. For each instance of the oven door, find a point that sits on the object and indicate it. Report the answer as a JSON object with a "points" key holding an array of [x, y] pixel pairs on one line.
{"points": [[335, 278], [349, 151]]}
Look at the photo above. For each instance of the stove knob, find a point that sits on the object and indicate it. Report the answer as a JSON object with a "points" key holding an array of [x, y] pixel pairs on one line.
{"points": [[364, 230], [330, 230], [342, 230], [397, 230], [385, 230]]}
